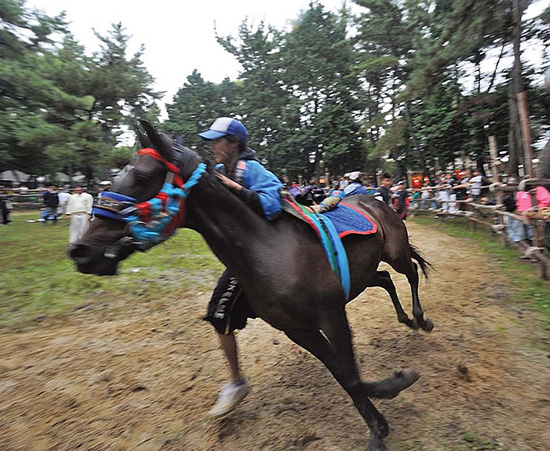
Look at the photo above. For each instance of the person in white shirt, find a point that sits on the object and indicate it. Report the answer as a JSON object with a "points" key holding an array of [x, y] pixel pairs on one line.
{"points": [[475, 184], [79, 209], [445, 192]]}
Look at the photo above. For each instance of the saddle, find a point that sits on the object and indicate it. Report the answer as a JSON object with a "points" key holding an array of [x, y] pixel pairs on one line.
{"points": [[331, 221]]}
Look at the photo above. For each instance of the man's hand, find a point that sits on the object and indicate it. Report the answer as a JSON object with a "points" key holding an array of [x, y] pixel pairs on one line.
{"points": [[231, 184]]}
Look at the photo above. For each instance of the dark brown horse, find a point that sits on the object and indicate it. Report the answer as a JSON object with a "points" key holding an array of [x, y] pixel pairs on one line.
{"points": [[272, 260]]}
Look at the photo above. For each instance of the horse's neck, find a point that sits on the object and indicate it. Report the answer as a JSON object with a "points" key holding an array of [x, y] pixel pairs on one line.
{"points": [[229, 226]]}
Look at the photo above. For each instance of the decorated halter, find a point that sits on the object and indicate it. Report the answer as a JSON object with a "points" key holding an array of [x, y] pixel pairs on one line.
{"points": [[155, 220]]}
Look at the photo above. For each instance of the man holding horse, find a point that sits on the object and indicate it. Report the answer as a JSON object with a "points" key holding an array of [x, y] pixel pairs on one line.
{"points": [[239, 171]]}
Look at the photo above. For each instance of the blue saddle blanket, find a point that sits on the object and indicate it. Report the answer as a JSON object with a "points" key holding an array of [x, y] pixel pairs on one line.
{"points": [[349, 220]]}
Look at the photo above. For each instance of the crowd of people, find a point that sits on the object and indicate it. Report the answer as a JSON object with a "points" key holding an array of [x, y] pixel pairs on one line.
{"points": [[445, 193], [72, 204]]}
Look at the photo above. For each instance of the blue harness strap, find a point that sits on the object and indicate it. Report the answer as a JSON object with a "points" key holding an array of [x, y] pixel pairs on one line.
{"points": [[331, 242], [341, 256]]}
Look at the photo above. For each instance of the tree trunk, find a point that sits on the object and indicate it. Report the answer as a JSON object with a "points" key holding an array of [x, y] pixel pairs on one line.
{"points": [[413, 136], [514, 133], [515, 142], [543, 167]]}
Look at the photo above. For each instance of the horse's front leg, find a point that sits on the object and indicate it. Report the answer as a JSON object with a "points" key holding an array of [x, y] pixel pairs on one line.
{"points": [[335, 350], [316, 343]]}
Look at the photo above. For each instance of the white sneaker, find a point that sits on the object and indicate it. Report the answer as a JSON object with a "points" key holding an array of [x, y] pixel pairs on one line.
{"points": [[230, 396]]}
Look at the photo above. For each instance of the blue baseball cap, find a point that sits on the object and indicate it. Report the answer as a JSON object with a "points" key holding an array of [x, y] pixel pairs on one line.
{"points": [[225, 126]]}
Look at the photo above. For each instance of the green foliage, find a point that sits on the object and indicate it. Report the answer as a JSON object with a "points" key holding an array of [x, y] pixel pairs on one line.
{"points": [[59, 107], [196, 105], [296, 94], [413, 81]]}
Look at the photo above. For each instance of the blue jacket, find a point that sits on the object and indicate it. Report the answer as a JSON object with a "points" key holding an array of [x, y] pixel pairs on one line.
{"points": [[261, 187], [355, 188]]}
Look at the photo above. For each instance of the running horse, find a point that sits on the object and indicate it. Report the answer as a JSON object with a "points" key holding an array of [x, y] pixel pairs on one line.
{"points": [[272, 260]]}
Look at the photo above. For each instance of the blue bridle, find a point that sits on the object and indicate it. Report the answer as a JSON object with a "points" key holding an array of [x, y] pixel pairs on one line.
{"points": [[153, 221]]}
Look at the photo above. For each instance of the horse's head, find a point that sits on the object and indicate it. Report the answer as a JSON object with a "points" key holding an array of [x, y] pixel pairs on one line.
{"points": [[144, 206]]}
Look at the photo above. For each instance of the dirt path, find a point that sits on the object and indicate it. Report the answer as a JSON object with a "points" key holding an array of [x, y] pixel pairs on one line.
{"points": [[145, 382]]}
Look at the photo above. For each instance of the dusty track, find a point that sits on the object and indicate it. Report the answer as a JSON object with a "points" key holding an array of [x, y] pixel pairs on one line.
{"points": [[146, 381]]}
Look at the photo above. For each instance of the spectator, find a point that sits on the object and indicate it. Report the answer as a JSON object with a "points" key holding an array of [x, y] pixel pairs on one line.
{"points": [[79, 209], [5, 207], [105, 185], [517, 230], [384, 194], [452, 183], [444, 192], [51, 202], [401, 201], [317, 191], [475, 185], [64, 197], [461, 191], [426, 193]]}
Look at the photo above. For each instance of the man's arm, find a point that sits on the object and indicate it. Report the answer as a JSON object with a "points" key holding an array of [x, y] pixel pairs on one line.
{"points": [[89, 204], [69, 207], [266, 186], [250, 197]]}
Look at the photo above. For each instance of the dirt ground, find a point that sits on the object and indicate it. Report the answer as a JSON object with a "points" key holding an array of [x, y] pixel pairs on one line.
{"points": [[146, 381]]}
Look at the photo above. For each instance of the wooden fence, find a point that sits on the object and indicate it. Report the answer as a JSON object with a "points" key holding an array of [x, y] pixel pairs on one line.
{"points": [[495, 218]]}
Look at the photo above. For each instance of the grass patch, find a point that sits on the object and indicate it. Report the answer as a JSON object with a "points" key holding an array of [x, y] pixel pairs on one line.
{"points": [[522, 276], [39, 280], [473, 442]]}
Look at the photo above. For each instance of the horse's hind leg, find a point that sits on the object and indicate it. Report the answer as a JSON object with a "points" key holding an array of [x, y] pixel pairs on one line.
{"points": [[425, 323], [406, 266], [334, 348], [384, 280]]}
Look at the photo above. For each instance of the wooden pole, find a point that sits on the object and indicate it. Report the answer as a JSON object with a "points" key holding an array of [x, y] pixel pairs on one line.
{"points": [[493, 149], [494, 163], [526, 135]]}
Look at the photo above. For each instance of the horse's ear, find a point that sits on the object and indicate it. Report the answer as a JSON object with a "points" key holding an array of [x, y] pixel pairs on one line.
{"points": [[142, 137], [149, 137]]}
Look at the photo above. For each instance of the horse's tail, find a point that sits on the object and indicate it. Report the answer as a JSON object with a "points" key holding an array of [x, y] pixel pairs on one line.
{"points": [[425, 265]]}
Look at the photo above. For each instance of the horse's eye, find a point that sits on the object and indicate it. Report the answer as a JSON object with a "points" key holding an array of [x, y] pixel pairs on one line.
{"points": [[143, 176]]}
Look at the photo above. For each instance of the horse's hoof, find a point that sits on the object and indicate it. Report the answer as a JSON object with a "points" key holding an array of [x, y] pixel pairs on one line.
{"points": [[376, 443], [389, 388], [408, 376], [415, 325], [428, 325]]}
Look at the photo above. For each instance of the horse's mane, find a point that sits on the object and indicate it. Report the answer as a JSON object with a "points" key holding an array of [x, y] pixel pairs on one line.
{"points": [[181, 156]]}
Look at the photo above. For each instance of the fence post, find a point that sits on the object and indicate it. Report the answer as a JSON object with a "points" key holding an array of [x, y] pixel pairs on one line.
{"points": [[494, 164]]}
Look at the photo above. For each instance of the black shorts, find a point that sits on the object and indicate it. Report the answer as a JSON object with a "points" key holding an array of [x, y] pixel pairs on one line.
{"points": [[228, 308]]}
